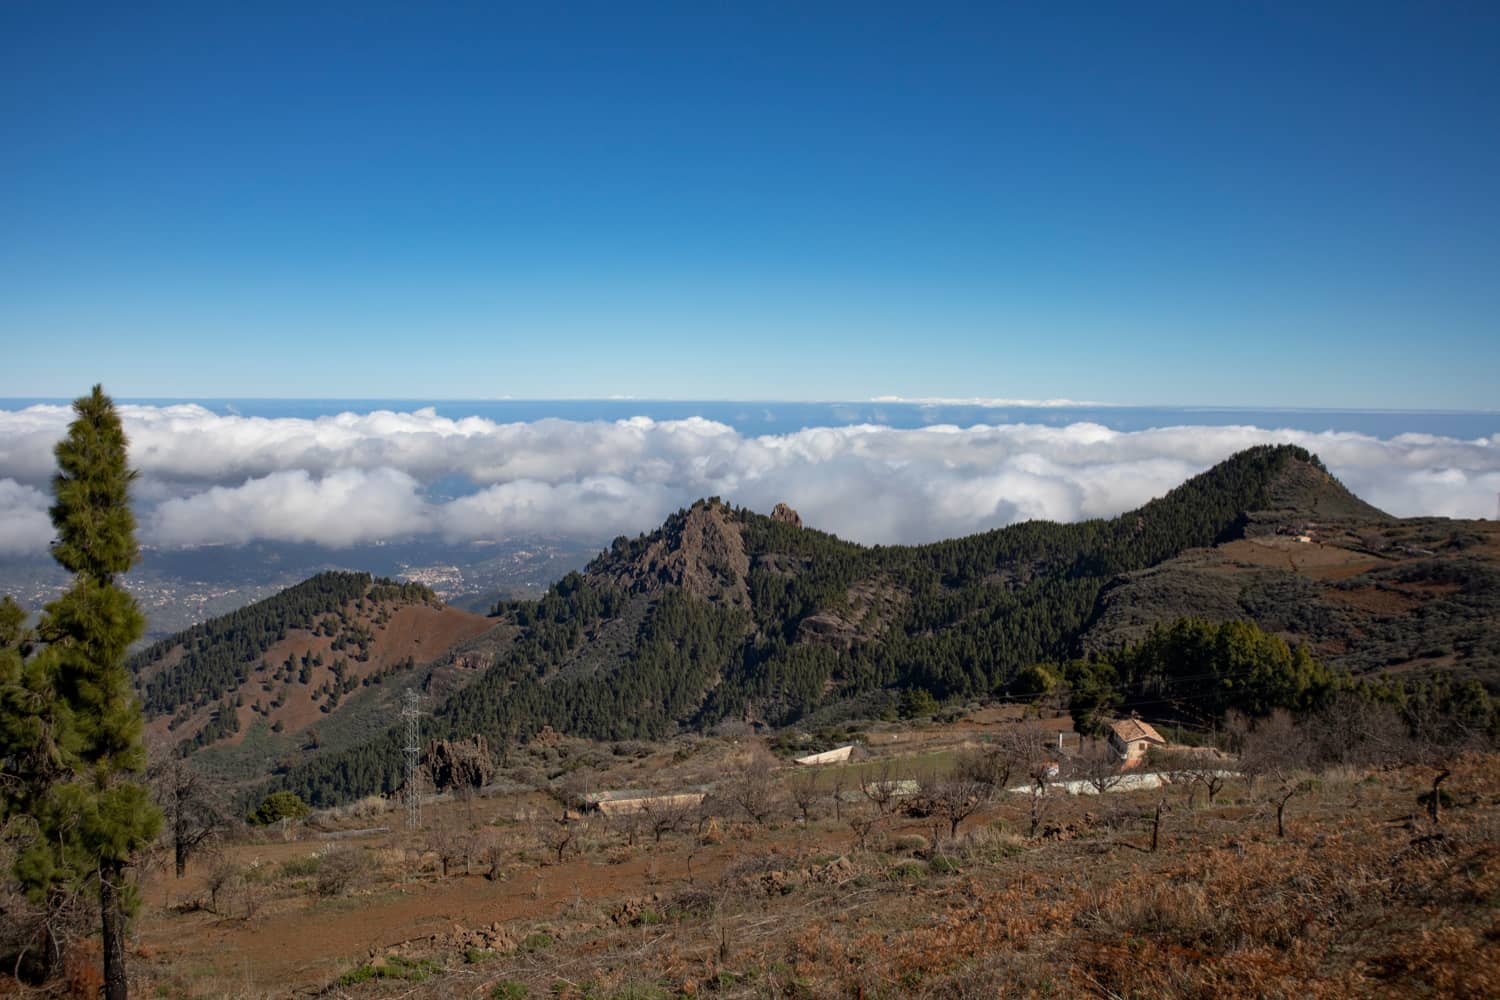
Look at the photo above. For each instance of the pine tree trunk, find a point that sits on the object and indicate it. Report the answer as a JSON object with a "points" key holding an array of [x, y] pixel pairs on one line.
{"points": [[112, 920], [49, 954]]}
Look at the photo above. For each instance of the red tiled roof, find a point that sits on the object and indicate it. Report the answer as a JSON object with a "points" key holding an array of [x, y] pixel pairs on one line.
{"points": [[1129, 730]]}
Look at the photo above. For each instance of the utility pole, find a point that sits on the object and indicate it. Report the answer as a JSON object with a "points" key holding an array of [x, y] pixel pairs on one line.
{"points": [[411, 714]]}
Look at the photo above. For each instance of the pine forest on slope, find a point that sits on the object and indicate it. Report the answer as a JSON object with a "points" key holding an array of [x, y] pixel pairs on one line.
{"points": [[725, 613]]}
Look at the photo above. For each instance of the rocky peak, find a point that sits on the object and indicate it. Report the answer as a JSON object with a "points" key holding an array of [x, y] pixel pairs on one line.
{"points": [[700, 550], [781, 512]]}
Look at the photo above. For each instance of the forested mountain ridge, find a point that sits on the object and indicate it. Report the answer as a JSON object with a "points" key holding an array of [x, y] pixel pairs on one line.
{"points": [[289, 663], [725, 613]]}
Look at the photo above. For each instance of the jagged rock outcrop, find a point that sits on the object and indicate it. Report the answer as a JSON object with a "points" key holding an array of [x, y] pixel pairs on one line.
{"points": [[460, 763], [700, 550], [866, 612], [781, 512]]}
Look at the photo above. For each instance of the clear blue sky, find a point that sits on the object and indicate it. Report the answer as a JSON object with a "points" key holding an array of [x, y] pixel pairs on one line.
{"points": [[1140, 202]]}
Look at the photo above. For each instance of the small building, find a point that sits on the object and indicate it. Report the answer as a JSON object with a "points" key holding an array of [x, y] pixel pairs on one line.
{"points": [[1132, 739], [838, 756], [622, 802]]}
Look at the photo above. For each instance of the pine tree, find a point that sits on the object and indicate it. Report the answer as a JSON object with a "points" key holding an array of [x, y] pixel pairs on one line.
{"points": [[69, 716]]}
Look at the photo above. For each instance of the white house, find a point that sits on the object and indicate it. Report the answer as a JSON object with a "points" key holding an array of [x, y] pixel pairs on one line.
{"points": [[1132, 739]]}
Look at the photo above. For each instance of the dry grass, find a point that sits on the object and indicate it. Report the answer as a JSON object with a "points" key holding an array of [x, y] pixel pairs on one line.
{"points": [[1362, 898]]}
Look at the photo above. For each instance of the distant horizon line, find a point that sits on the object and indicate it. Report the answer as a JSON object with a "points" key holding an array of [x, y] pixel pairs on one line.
{"points": [[917, 401]]}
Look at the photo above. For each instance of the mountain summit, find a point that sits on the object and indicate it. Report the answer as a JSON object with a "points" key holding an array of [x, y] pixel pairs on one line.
{"points": [[724, 613], [700, 550]]}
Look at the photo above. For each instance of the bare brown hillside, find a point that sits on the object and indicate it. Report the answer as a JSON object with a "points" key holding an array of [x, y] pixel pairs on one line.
{"points": [[302, 679]]}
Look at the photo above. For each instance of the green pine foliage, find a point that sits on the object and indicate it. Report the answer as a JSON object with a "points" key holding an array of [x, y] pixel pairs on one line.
{"points": [[220, 654], [279, 806], [73, 751], [1215, 668], [958, 619]]}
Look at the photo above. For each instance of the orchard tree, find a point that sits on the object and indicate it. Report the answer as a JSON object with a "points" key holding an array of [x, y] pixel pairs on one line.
{"points": [[193, 805], [69, 716]]}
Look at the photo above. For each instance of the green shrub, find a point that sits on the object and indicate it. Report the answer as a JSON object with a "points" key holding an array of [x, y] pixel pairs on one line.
{"points": [[908, 871], [279, 806], [301, 867], [509, 989], [390, 967], [537, 941], [911, 842]]}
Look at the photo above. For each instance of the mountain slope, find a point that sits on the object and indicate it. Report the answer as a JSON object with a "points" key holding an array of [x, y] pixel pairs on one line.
{"points": [[724, 613], [292, 663]]}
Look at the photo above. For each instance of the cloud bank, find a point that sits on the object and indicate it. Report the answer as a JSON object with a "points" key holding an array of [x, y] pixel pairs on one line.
{"points": [[358, 478]]}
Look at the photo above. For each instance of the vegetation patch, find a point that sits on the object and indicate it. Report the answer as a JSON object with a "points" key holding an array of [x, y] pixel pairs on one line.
{"points": [[391, 967]]}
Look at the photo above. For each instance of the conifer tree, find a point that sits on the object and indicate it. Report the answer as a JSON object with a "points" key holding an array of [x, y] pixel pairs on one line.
{"points": [[69, 718]]}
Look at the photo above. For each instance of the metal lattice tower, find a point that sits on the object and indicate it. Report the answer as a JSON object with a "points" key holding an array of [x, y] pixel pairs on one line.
{"points": [[411, 714]]}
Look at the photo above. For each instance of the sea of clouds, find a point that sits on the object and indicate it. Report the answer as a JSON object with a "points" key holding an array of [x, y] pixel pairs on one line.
{"points": [[357, 478]]}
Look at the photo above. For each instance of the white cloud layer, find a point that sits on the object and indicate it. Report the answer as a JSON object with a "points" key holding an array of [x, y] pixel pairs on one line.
{"points": [[25, 529], [356, 478]]}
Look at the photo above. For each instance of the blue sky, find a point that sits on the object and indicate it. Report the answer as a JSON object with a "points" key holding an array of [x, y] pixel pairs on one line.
{"points": [[1141, 203]]}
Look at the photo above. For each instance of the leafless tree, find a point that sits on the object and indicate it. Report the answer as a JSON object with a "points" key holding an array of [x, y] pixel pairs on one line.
{"points": [[222, 880], [1283, 795], [664, 814], [492, 853], [1212, 777], [195, 809], [1441, 728], [863, 822], [991, 765], [953, 799], [1272, 747], [628, 824], [1161, 805], [805, 793], [449, 843], [1041, 770], [1099, 766], [1356, 730], [1180, 767], [836, 786], [884, 788], [558, 834], [754, 791]]}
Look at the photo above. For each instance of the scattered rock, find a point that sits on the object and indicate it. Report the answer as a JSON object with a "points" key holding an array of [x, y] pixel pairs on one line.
{"points": [[460, 763], [628, 913]]}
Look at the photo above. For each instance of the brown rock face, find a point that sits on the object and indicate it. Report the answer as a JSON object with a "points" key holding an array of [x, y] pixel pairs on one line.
{"points": [[701, 551], [866, 611], [786, 515], [460, 763]]}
